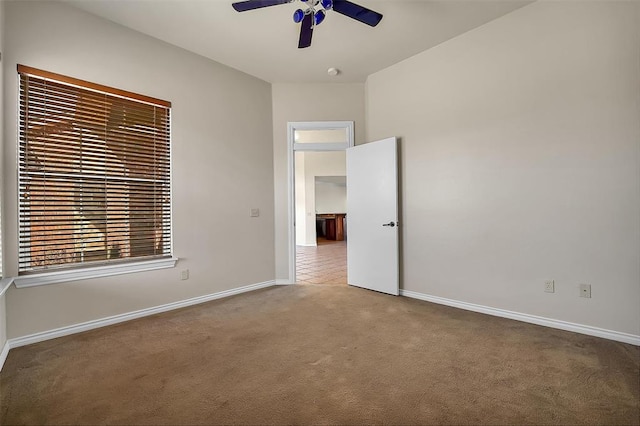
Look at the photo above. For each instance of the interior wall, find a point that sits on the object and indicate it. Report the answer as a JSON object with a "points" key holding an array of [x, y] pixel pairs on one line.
{"points": [[222, 150], [305, 102], [300, 200], [3, 312], [3, 324], [330, 198], [520, 162]]}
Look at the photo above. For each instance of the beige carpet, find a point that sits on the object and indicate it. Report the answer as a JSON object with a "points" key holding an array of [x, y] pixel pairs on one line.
{"points": [[322, 355]]}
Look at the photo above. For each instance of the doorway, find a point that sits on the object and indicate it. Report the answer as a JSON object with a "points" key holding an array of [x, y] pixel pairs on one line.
{"points": [[320, 227], [317, 197]]}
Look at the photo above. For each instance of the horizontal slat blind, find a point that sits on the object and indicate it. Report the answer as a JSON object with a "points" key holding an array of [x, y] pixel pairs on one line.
{"points": [[94, 174]]}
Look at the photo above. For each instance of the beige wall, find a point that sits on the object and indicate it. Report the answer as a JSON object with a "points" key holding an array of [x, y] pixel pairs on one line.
{"points": [[301, 200], [221, 152], [331, 197], [520, 161], [3, 314], [306, 102], [3, 323]]}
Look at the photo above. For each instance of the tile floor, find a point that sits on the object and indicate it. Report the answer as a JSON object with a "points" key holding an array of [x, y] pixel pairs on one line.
{"points": [[324, 264]]}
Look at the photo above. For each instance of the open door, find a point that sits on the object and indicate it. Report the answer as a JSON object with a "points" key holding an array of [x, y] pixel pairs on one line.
{"points": [[372, 216]]}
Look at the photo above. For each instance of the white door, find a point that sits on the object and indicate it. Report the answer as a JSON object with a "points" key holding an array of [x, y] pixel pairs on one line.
{"points": [[372, 216]]}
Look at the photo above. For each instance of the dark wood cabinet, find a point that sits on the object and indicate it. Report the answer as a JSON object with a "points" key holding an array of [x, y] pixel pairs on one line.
{"points": [[333, 225]]}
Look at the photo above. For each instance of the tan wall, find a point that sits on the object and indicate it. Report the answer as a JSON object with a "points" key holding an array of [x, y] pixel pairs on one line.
{"points": [[331, 197], [520, 161], [3, 314], [306, 102], [301, 201], [222, 163], [3, 322]]}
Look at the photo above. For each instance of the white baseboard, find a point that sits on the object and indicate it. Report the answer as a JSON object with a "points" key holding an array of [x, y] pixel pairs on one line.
{"points": [[90, 325], [284, 281], [533, 319], [103, 322]]}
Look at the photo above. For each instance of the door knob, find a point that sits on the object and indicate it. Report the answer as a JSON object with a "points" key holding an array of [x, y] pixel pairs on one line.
{"points": [[391, 224]]}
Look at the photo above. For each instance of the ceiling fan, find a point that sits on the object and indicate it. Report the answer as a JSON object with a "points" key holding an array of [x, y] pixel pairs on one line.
{"points": [[314, 13]]}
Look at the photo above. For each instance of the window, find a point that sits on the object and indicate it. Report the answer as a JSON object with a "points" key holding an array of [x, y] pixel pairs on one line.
{"points": [[94, 174]]}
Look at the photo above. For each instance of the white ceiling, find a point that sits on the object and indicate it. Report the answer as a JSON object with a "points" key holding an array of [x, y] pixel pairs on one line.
{"points": [[264, 42]]}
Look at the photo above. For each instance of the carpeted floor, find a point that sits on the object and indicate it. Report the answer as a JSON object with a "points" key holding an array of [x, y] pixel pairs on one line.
{"points": [[322, 355]]}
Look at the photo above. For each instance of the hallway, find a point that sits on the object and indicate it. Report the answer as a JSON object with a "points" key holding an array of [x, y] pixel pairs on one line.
{"points": [[324, 264]]}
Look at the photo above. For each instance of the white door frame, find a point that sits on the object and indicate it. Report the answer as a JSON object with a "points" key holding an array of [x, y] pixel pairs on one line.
{"points": [[292, 126]]}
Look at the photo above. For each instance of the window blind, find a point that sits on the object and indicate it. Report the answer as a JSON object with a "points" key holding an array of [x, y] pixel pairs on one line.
{"points": [[94, 174]]}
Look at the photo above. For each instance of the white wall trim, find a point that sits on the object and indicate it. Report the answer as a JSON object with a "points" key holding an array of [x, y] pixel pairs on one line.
{"points": [[284, 281], [5, 283], [115, 319], [292, 146], [3, 354], [533, 319], [93, 272]]}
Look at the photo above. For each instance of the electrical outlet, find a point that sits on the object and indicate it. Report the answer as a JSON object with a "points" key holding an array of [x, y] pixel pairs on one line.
{"points": [[550, 286], [585, 290], [184, 274], [254, 213]]}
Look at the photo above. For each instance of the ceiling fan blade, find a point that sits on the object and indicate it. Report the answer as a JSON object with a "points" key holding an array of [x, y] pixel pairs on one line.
{"points": [[357, 12], [306, 31], [243, 6]]}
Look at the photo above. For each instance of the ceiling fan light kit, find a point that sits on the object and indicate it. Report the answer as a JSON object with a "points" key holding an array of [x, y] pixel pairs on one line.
{"points": [[314, 13], [319, 17]]}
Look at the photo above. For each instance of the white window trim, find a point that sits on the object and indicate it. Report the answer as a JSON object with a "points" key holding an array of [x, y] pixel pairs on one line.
{"points": [[45, 278], [5, 283]]}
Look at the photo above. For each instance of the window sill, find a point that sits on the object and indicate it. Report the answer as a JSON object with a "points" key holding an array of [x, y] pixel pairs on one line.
{"points": [[94, 272]]}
